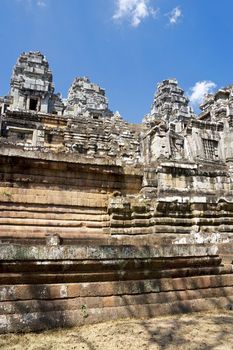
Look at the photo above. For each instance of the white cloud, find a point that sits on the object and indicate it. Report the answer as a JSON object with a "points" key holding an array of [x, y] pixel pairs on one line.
{"points": [[41, 3], [199, 90], [29, 3], [133, 10], [174, 15]]}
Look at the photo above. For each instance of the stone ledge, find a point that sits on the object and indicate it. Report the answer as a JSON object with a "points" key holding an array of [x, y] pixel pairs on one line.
{"points": [[20, 252]]}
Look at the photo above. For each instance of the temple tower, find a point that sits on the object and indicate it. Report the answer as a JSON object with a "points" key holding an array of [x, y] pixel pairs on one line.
{"points": [[32, 86], [86, 97], [169, 104]]}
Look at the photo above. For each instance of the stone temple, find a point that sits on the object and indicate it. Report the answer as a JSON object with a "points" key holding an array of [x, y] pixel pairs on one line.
{"points": [[102, 219]]}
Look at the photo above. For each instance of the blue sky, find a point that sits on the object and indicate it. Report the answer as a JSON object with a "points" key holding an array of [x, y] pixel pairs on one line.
{"points": [[126, 46]]}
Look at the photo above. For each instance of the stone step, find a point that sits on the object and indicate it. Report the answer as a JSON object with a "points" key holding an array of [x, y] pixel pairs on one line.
{"points": [[158, 229], [52, 216], [53, 222], [35, 278], [49, 209], [35, 321], [112, 288], [52, 197], [67, 266], [166, 220], [12, 307], [13, 231]]}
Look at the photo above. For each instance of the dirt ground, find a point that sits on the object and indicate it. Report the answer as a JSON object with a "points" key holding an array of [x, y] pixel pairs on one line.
{"points": [[209, 331]]}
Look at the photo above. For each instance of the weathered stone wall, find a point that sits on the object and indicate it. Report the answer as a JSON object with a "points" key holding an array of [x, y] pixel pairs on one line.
{"points": [[41, 195], [44, 193], [57, 286]]}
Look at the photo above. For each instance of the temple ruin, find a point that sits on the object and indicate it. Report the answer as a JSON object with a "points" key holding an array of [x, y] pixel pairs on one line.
{"points": [[103, 219]]}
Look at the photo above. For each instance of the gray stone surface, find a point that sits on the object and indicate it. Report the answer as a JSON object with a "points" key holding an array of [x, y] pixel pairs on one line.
{"points": [[32, 86], [169, 104], [84, 97]]}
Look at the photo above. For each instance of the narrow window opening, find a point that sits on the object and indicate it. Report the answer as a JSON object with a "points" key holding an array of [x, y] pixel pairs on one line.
{"points": [[210, 148], [21, 136], [33, 104], [50, 138], [79, 148]]}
